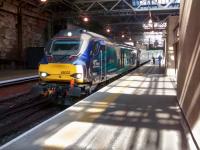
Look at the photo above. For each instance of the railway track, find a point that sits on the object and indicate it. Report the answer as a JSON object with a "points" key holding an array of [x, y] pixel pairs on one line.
{"points": [[18, 80], [21, 108], [18, 118], [13, 88]]}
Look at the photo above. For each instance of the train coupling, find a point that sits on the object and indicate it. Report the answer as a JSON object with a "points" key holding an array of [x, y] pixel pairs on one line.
{"points": [[60, 90]]}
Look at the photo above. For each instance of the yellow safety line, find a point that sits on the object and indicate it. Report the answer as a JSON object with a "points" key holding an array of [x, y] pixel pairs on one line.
{"points": [[74, 130]]}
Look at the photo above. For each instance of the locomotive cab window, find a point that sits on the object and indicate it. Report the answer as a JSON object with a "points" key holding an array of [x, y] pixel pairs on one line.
{"points": [[48, 47], [65, 47]]}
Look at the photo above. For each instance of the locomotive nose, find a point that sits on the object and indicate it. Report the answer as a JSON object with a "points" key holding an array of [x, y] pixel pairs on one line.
{"points": [[61, 72]]}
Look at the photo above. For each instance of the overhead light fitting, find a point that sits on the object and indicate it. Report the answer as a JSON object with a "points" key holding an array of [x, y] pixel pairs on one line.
{"points": [[85, 19], [108, 30]]}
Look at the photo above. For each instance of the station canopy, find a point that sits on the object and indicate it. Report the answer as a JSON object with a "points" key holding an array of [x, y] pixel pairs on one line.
{"points": [[116, 16]]}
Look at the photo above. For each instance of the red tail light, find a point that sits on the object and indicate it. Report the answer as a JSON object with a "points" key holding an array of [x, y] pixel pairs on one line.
{"points": [[50, 58], [72, 57]]}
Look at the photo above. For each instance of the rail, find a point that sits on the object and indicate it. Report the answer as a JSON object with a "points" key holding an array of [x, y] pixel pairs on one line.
{"points": [[18, 80]]}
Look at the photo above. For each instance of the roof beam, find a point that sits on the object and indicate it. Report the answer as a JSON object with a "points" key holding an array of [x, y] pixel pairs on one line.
{"points": [[104, 7], [159, 5], [91, 1], [90, 6], [73, 5], [129, 5], [144, 6], [170, 2], [115, 5]]}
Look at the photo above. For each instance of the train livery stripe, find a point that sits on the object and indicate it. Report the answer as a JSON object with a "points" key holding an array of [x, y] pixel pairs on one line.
{"points": [[70, 134]]}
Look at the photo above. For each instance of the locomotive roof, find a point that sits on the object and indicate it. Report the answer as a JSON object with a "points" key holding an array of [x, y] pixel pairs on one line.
{"points": [[77, 33]]}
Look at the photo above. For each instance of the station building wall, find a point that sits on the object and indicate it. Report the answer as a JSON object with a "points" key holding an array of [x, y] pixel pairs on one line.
{"points": [[170, 50], [33, 25], [188, 77]]}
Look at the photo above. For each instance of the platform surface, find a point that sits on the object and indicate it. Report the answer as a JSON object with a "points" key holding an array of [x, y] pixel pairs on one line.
{"points": [[137, 112]]}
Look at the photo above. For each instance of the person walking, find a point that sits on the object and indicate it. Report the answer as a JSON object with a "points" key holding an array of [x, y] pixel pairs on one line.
{"points": [[159, 60]]}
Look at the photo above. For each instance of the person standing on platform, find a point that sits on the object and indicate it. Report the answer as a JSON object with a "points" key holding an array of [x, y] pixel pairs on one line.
{"points": [[159, 60], [153, 58]]}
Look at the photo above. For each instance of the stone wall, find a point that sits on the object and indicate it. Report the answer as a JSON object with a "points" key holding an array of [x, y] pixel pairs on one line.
{"points": [[8, 35], [34, 24], [33, 32]]}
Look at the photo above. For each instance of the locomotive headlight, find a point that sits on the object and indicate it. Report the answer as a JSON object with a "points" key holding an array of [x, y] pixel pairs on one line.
{"points": [[78, 75], [43, 74], [79, 72]]}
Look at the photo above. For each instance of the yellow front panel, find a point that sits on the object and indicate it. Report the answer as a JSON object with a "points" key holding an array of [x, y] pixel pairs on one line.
{"points": [[57, 72]]}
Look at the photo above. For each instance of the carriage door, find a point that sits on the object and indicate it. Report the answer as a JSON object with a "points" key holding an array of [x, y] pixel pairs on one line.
{"points": [[103, 62], [96, 62]]}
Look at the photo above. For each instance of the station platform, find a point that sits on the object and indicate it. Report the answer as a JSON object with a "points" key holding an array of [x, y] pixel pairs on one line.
{"points": [[14, 74], [138, 111]]}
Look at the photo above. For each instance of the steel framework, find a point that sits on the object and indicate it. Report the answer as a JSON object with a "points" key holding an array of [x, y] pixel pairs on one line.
{"points": [[125, 6], [129, 15]]}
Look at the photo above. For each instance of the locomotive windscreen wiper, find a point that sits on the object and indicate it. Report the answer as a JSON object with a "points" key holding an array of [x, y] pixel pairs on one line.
{"points": [[63, 56]]}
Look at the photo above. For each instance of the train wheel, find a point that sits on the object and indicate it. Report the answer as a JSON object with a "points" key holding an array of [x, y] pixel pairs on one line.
{"points": [[89, 89]]}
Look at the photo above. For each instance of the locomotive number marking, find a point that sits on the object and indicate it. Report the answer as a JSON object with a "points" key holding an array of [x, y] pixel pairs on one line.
{"points": [[65, 72]]}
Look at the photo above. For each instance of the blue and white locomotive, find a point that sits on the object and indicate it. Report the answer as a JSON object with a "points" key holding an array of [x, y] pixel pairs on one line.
{"points": [[77, 60]]}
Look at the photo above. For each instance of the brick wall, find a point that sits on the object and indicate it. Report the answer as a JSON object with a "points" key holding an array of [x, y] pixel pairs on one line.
{"points": [[8, 35], [34, 23], [33, 32]]}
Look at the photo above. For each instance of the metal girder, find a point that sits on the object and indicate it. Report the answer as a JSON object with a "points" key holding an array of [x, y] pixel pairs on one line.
{"points": [[102, 6], [90, 1], [121, 7], [129, 12], [90, 6], [126, 15], [132, 5], [167, 5], [129, 5], [72, 5], [115, 5], [128, 23]]}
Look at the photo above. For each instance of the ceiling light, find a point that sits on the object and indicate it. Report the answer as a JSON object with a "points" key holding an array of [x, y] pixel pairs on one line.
{"points": [[108, 30], [85, 19]]}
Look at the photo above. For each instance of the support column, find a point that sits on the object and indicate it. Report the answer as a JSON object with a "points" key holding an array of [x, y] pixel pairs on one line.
{"points": [[170, 50]]}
